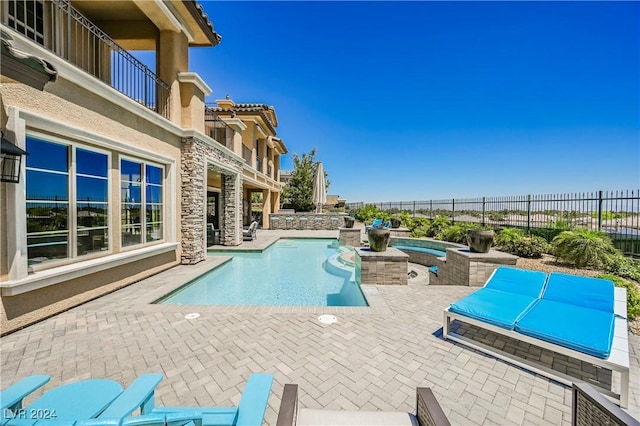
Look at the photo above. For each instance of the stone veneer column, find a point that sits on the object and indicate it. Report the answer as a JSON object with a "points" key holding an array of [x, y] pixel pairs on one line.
{"points": [[232, 210], [193, 181]]}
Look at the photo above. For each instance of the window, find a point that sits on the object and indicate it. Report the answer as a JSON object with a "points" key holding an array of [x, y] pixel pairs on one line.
{"points": [[27, 17], [67, 201], [141, 190]]}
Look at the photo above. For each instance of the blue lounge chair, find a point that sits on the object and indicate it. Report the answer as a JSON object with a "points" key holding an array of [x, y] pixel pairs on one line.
{"points": [[583, 318], [507, 295], [387, 225], [375, 224]]}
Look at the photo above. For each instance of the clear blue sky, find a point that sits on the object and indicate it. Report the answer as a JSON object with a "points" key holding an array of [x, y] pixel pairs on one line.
{"points": [[429, 100]]}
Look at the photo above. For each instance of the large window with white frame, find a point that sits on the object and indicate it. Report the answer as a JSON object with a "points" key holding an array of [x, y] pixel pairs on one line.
{"points": [[67, 195], [142, 206]]}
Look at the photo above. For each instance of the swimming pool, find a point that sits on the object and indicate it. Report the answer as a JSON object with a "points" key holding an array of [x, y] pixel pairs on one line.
{"points": [[292, 272]]}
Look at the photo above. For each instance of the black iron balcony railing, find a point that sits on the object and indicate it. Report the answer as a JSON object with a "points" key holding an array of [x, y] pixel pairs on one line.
{"points": [[247, 154], [217, 129], [60, 28]]}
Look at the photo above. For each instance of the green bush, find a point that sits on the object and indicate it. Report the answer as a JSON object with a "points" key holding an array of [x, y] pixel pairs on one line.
{"points": [[624, 267], [531, 247], [497, 216], [369, 212], [453, 233], [437, 225], [547, 233], [584, 247], [506, 239], [633, 294]]}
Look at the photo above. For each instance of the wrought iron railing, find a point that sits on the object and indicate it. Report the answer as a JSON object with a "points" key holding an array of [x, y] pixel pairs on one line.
{"points": [[73, 37], [615, 212], [247, 154], [217, 129]]}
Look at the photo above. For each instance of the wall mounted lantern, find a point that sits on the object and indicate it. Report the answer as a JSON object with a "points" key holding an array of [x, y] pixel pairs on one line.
{"points": [[11, 157]]}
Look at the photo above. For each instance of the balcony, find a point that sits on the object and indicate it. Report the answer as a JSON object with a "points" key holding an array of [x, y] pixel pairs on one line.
{"points": [[247, 154], [217, 129], [60, 28]]}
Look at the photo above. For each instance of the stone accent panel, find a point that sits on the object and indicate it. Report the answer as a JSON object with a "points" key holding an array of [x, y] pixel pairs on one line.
{"points": [[197, 155], [310, 221], [350, 237], [463, 267], [389, 267]]}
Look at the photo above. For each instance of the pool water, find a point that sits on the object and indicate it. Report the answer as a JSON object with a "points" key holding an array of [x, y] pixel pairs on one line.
{"points": [[292, 272]]}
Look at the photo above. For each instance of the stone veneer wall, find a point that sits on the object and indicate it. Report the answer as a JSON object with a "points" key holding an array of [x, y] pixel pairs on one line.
{"points": [[350, 237], [389, 267], [312, 221], [463, 267], [196, 155]]}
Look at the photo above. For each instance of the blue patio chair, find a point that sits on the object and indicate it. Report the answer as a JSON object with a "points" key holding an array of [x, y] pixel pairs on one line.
{"points": [[375, 224], [11, 397], [141, 395], [387, 225]]}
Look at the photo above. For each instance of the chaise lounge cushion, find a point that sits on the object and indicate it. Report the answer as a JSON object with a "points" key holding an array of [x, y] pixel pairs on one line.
{"points": [[586, 330], [507, 295], [575, 312]]}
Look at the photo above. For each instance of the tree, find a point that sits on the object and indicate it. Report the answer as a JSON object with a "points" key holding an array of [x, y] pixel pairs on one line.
{"points": [[298, 191]]}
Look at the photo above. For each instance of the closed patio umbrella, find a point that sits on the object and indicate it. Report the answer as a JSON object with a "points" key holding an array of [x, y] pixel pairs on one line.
{"points": [[319, 188]]}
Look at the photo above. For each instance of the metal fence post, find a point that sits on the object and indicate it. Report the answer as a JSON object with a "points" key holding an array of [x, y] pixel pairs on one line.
{"points": [[414, 208], [483, 211], [600, 202], [453, 211], [528, 213]]}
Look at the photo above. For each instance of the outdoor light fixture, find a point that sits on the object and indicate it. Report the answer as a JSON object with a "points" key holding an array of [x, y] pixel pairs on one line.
{"points": [[10, 161]]}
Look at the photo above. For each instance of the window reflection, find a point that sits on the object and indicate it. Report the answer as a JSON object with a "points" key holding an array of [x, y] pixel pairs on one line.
{"points": [[135, 198]]}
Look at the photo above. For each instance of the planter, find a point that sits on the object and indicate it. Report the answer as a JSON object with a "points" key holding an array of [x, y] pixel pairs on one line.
{"points": [[348, 222], [480, 240], [396, 222], [378, 239]]}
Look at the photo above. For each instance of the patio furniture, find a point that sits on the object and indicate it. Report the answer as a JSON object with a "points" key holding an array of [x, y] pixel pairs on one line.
{"points": [[387, 225], [250, 233], [590, 408], [375, 224], [141, 395], [11, 397], [583, 318], [428, 412], [83, 399]]}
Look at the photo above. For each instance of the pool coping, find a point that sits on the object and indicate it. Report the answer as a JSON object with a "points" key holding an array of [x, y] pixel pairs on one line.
{"points": [[163, 284]]}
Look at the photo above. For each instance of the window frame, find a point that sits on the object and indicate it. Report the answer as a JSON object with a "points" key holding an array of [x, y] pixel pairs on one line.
{"points": [[143, 201], [72, 215], [38, 37]]}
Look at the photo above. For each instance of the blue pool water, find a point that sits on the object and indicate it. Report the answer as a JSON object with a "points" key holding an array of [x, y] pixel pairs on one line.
{"points": [[292, 272]]}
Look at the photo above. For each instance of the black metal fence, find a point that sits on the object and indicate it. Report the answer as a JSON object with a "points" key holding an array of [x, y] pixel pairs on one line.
{"points": [[616, 213]]}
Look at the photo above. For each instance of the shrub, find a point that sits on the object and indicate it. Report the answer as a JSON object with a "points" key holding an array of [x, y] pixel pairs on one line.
{"points": [[437, 225], [506, 239], [497, 216], [624, 267], [369, 212], [584, 247], [531, 247], [456, 233], [633, 294]]}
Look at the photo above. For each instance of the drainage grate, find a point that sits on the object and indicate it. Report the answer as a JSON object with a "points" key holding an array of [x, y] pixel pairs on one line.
{"points": [[327, 319]]}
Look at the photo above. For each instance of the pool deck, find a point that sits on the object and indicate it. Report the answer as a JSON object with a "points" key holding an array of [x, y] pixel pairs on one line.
{"points": [[371, 359]]}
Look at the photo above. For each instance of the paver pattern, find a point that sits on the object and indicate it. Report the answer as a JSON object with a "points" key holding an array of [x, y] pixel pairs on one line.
{"points": [[371, 359]]}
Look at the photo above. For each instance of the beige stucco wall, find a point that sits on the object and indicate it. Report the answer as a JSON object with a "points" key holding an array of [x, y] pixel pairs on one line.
{"points": [[24, 309], [68, 104]]}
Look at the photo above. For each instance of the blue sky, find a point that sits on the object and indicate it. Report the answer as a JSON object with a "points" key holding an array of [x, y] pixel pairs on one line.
{"points": [[430, 100]]}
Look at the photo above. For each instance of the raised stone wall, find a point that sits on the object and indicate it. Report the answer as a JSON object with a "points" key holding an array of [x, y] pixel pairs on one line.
{"points": [[464, 267], [313, 221], [389, 267], [350, 237]]}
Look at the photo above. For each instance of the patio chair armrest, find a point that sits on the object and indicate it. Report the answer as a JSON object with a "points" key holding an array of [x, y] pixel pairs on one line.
{"points": [[428, 410], [288, 411], [255, 397], [11, 398], [139, 394], [590, 407]]}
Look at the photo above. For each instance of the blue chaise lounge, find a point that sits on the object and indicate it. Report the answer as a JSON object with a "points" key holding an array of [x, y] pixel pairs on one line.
{"points": [[581, 317]]}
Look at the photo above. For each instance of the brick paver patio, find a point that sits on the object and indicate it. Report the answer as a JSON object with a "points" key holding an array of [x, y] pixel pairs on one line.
{"points": [[371, 359]]}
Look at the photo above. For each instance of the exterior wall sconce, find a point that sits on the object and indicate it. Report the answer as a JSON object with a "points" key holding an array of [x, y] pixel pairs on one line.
{"points": [[11, 157]]}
